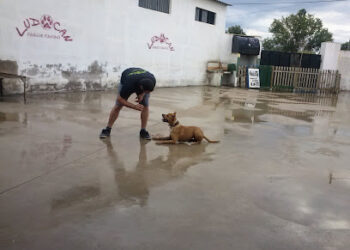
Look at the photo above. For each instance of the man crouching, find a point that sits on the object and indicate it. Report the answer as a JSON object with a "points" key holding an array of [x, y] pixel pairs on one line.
{"points": [[133, 80]]}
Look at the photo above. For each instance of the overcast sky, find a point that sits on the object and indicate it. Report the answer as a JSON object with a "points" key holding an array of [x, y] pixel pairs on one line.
{"points": [[255, 19]]}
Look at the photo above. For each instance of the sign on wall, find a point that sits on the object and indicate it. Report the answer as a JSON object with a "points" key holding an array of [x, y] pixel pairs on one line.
{"points": [[253, 78], [160, 42], [44, 27]]}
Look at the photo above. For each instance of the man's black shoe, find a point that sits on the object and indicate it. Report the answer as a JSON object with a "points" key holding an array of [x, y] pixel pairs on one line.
{"points": [[144, 134], [106, 132]]}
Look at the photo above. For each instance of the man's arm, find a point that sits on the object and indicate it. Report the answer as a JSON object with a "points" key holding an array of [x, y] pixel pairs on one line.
{"points": [[124, 102], [139, 98]]}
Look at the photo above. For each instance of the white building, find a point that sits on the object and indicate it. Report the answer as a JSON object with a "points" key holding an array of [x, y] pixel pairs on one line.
{"points": [[335, 59], [82, 45]]}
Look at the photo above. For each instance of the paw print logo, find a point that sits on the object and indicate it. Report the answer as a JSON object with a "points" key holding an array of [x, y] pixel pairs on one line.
{"points": [[46, 22]]}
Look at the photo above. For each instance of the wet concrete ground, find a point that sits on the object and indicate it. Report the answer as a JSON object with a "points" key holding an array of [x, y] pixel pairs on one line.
{"points": [[279, 179]]}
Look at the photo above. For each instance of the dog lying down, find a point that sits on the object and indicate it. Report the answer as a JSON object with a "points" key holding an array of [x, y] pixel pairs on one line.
{"points": [[179, 133]]}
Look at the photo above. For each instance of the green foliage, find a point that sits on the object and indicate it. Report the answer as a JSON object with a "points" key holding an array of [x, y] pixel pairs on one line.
{"points": [[345, 46], [236, 29], [297, 33], [270, 44]]}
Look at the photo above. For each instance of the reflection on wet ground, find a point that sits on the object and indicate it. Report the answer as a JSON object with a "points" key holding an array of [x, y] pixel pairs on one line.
{"points": [[14, 117], [133, 186], [249, 110], [279, 177]]}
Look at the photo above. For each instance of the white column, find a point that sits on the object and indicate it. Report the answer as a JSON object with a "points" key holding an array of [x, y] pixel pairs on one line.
{"points": [[329, 55]]}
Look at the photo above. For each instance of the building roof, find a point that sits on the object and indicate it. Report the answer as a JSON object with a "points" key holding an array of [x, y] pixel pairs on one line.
{"points": [[221, 2]]}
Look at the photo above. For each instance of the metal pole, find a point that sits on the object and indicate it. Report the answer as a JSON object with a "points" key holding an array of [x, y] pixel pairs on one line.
{"points": [[24, 91]]}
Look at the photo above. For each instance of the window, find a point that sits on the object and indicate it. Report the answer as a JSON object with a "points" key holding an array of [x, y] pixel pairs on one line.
{"points": [[157, 5], [205, 16]]}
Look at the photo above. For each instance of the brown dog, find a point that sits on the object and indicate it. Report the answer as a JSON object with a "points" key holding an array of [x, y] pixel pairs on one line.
{"points": [[181, 133]]}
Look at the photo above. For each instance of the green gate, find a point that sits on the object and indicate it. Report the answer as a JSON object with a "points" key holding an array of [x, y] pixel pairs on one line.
{"points": [[265, 72]]}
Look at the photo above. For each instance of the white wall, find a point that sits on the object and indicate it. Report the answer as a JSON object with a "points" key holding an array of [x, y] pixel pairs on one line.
{"points": [[107, 37], [344, 69], [329, 55]]}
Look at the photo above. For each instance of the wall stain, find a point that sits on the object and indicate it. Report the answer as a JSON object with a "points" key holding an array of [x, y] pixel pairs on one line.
{"points": [[33, 70], [116, 68], [90, 85], [74, 85], [95, 68], [47, 87], [90, 78], [57, 77]]}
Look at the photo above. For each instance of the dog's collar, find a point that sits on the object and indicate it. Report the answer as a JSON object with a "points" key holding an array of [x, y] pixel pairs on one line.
{"points": [[176, 123]]}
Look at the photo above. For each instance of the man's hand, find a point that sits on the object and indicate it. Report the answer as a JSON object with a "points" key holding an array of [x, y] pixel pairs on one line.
{"points": [[124, 102], [140, 97], [139, 107]]}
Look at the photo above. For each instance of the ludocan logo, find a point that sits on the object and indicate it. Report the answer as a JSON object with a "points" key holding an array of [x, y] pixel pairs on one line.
{"points": [[46, 22], [160, 42], [52, 28]]}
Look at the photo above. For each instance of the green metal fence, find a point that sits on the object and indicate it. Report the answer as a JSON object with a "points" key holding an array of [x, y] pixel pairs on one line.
{"points": [[304, 80], [265, 72]]}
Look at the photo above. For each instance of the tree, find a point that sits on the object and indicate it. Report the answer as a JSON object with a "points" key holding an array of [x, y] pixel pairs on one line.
{"points": [[236, 29], [345, 46], [300, 32]]}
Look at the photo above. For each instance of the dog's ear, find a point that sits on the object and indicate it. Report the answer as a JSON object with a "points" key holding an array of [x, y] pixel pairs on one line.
{"points": [[175, 114]]}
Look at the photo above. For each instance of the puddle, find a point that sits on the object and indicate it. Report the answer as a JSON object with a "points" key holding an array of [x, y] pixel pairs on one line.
{"points": [[332, 178], [325, 152], [252, 108], [272, 167], [13, 117], [74, 196], [133, 185]]}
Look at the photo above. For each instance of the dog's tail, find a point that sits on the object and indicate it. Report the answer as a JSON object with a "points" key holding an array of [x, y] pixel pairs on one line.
{"points": [[210, 140]]}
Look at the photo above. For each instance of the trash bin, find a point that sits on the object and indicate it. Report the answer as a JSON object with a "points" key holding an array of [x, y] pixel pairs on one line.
{"points": [[265, 72], [231, 67]]}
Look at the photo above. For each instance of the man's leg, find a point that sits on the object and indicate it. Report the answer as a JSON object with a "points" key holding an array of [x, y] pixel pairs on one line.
{"points": [[144, 117], [113, 115]]}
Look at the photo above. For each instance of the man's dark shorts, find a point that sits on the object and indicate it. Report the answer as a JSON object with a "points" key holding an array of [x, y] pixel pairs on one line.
{"points": [[144, 102]]}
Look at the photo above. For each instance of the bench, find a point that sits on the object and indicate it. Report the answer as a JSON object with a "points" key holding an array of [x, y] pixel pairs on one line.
{"points": [[14, 76]]}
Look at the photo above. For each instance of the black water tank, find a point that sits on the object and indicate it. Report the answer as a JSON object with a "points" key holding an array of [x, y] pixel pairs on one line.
{"points": [[245, 45]]}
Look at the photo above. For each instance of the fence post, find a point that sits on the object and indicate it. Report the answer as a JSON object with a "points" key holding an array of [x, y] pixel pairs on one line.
{"points": [[314, 80], [338, 82], [294, 77], [318, 80], [334, 81], [272, 76], [290, 77], [278, 77]]}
